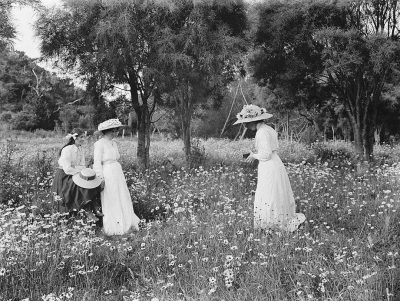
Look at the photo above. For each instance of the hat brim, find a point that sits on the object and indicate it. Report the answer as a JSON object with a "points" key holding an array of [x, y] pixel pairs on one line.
{"points": [[258, 118], [100, 132], [112, 127], [84, 183]]}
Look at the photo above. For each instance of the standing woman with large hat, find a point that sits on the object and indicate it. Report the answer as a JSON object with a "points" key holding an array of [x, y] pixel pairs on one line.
{"points": [[71, 162], [274, 205], [119, 217]]}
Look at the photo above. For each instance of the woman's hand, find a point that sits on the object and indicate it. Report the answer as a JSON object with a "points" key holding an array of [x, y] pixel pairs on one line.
{"points": [[250, 158], [102, 185]]}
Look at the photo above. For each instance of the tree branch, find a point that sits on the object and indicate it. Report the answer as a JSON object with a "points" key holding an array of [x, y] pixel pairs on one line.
{"points": [[68, 103]]}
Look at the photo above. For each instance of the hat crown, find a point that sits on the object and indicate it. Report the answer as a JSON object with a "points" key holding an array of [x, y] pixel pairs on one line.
{"points": [[250, 111], [86, 178], [88, 172], [109, 124]]}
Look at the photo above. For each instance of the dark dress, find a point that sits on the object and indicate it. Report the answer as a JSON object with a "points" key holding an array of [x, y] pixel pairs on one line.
{"points": [[73, 197]]}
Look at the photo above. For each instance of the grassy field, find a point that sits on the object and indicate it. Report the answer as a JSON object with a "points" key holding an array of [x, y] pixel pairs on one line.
{"points": [[197, 242]]}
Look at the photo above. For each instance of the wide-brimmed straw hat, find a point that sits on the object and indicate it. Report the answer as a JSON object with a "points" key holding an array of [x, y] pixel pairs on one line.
{"points": [[251, 113], [86, 178], [109, 124]]}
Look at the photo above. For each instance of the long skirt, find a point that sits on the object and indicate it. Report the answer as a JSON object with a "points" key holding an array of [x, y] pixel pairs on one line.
{"points": [[119, 217], [73, 197], [274, 205]]}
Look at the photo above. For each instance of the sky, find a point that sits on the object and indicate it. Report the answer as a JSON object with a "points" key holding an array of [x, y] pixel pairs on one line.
{"points": [[24, 18]]}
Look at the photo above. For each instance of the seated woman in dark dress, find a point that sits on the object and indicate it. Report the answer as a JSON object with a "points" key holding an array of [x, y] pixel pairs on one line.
{"points": [[71, 162]]}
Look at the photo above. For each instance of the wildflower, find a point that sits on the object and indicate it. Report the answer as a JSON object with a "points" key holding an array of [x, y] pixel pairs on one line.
{"points": [[229, 258], [228, 273]]}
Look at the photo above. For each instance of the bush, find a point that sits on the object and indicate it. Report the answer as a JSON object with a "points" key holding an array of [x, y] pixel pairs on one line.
{"points": [[5, 116], [24, 121], [336, 155], [39, 133], [11, 186]]}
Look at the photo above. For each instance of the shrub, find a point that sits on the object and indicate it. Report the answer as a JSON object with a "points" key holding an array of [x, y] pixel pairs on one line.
{"points": [[336, 155], [12, 177], [5, 116]]}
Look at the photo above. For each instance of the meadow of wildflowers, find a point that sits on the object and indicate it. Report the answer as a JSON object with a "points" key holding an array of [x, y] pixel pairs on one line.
{"points": [[196, 241]]}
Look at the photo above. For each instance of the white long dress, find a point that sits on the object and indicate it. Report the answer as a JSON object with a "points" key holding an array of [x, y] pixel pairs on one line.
{"points": [[116, 201], [274, 205]]}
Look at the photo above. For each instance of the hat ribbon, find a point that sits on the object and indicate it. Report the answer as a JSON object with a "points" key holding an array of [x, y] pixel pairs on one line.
{"points": [[69, 136], [87, 178]]}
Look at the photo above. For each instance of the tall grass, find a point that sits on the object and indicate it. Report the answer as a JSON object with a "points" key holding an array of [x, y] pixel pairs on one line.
{"points": [[198, 241]]}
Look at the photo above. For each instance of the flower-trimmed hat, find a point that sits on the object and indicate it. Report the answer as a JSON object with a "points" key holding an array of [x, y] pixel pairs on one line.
{"points": [[109, 124], [86, 178], [251, 113]]}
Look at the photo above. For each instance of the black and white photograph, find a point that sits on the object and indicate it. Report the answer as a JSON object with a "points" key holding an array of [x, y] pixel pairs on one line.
{"points": [[199, 150]]}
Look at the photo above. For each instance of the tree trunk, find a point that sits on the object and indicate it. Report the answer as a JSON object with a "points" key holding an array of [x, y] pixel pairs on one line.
{"points": [[185, 102], [357, 132], [143, 137], [186, 140], [143, 126], [370, 125], [368, 140], [358, 141], [377, 136], [287, 125]]}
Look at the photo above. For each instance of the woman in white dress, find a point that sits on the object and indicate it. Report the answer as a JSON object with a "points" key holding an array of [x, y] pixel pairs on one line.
{"points": [[274, 205], [119, 217]]}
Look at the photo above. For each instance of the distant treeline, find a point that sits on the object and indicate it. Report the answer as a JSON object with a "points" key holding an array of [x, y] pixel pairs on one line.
{"points": [[323, 68]]}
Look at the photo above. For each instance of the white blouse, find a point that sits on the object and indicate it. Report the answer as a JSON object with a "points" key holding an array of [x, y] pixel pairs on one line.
{"points": [[266, 142], [72, 159], [105, 151]]}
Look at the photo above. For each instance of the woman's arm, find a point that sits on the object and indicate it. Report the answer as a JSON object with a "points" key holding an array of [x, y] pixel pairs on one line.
{"points": [[97, 160]]}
